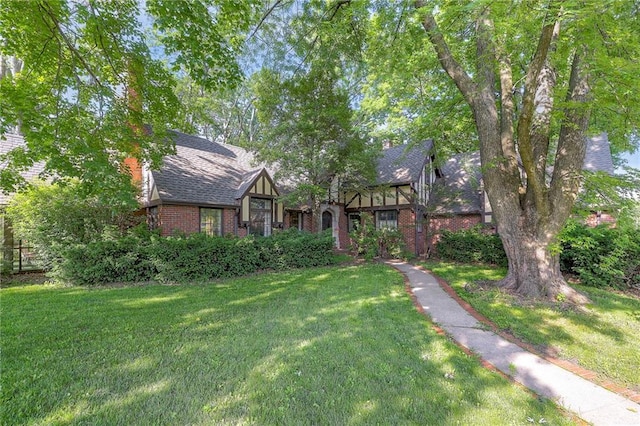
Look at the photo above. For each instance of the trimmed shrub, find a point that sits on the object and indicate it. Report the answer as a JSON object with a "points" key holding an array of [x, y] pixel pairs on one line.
{"points": [[144, 256], [601, 256], [471, 246]]}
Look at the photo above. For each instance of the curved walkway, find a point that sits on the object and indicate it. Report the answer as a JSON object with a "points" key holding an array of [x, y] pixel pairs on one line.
{"points": [[589, 401]]}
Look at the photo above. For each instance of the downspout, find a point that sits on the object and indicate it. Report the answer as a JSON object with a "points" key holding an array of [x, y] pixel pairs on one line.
{"points": [[415, 226], [235, 222]]}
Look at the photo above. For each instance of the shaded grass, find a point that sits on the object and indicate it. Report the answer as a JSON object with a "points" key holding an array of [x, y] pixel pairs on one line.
{"points": [[340, 345], [602, 336]]}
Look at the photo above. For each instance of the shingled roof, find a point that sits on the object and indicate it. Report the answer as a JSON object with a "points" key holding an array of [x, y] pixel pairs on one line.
{"points": [[9, 142], [459, 191], [598, 155], [204, 172], [403, 163]]}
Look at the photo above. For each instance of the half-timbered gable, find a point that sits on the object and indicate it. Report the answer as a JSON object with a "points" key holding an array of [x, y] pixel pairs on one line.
{"points": [[212, 188]]}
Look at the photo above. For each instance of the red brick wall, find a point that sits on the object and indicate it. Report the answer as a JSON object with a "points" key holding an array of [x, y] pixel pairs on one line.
{"points": [[595, 219], [228, 221], [343, 230], [407, 226], [308, 223], [436, 224], [186, 219], [178, 218]]}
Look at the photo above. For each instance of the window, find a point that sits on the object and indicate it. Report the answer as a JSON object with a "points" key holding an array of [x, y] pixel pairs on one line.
{"points": [[354, 221], [295, 220], [386, 219], [211, 221], [260, 212]]}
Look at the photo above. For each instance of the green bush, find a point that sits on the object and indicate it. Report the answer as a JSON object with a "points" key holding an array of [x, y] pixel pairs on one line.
{"points": [[144, 256], [53, 217], [601, 256], [370, 242], [471, 246]]}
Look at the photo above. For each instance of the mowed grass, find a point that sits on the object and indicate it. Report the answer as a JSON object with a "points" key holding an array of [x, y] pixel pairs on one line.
{"points": [[603, 336], [340, 345]]}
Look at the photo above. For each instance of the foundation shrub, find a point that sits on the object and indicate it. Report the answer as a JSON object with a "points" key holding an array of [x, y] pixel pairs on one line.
{"points": [[369, 242], [471, 246], [602, 256], [145, 256]]}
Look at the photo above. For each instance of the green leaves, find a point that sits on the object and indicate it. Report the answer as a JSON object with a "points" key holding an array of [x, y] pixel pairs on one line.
{"points": [[308, 131], [89, 84], [204, 36]]}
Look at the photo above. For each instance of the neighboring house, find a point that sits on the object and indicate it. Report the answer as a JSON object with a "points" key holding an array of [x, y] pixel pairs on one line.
{"points": [[212, 188]]}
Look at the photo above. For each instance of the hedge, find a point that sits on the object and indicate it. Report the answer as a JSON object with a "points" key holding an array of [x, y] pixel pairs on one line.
{"points": [[600, 257], [471, 246], [197, 257]]}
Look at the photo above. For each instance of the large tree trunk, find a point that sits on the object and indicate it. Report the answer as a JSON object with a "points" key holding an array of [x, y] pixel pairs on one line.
{"points": [[534, 266], [529, 209]]}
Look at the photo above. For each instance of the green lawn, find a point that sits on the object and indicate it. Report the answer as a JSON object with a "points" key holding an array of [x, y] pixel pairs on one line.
{"points": [[602, 336], [341, 345]]}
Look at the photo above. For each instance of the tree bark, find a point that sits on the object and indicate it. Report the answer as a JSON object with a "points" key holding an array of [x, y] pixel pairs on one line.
{"points": [[529, 211]]}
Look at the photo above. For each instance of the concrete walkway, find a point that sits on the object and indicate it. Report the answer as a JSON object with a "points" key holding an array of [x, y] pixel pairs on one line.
{"points": [[589, 401]]}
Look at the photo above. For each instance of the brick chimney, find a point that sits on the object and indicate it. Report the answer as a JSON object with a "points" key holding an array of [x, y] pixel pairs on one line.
{"points": [[134, 102]]}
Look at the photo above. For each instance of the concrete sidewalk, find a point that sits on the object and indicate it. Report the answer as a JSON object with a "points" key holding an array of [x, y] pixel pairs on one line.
{"points": [[589, 401]]}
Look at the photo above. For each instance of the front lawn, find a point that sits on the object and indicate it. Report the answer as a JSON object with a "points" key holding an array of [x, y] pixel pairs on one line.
{"points": [[340, 345], [602, 336]]}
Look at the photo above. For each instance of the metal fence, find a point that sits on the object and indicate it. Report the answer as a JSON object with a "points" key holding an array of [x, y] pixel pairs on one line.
{"points": [[23, 258]]}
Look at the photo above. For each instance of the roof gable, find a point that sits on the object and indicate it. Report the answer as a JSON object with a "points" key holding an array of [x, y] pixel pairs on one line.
{"points": [[204, 172], [403, 163]]}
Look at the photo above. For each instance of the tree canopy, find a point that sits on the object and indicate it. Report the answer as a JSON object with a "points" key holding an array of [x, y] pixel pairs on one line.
{"points": [[79, 79]]}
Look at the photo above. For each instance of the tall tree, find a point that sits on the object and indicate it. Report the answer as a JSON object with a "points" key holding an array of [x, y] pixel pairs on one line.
{"points": [[226, 116], [535, 75], [308, 134], [83, 79], [305, 97]]}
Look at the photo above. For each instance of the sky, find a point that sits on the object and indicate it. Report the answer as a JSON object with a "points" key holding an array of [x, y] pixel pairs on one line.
{"points": [[633, 160]]}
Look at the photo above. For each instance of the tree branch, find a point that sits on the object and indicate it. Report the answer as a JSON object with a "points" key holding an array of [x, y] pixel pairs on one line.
{"points": [[462, 80], [264, 18], [57, 28], [572, 146], [535, 178]]}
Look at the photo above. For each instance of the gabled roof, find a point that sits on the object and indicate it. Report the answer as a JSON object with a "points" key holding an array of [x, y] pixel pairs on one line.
{"points": [[8, 142], [403, 163], [204, 172], [460, 191]]}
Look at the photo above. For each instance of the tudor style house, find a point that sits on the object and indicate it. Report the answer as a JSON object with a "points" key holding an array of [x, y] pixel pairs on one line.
{"points": [[211, 188], [398, 199], [217, 189]]}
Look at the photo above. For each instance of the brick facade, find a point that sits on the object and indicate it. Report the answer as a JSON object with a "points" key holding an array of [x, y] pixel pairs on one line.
{"points": [[343, 230], [172, 219], [186, 219]]}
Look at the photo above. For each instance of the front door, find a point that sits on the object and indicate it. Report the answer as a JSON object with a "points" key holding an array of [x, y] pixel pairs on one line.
{"points": [[327, 220]]}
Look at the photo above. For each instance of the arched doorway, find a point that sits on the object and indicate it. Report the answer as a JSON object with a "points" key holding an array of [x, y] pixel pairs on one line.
{"points": [[327, 220]]}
